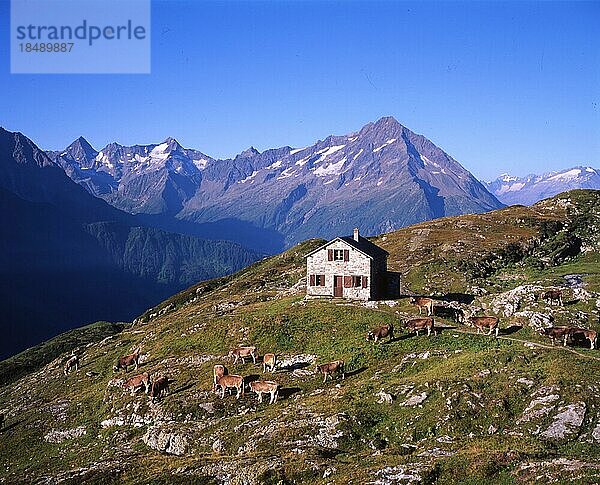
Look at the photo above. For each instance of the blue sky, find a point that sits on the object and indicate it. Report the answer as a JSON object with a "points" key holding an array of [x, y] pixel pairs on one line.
{"points": [[500, 86]]}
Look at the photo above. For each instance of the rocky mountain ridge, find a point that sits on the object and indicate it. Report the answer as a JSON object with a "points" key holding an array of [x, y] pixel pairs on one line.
{"points": [[533, 188], [380, 178], [68, 257]]}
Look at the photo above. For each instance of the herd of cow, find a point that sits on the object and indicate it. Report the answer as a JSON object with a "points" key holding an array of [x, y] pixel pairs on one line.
{"points": [[224, 381], [564, 333]]}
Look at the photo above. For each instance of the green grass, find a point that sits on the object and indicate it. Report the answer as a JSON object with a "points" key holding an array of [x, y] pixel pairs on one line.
{"points": [[470, 380]]}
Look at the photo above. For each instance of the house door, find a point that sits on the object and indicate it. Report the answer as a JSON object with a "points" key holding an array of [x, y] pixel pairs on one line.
{"points": [[338, 289]]}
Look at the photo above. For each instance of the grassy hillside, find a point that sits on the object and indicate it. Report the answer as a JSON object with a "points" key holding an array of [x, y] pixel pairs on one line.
{"points": [[452, 408]]}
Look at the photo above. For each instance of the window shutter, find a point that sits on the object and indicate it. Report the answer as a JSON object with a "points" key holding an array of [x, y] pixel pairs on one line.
{"points": [[347, 281], [322, 280], [312, 280], [346, 255], [365, 281], [330, 255]]}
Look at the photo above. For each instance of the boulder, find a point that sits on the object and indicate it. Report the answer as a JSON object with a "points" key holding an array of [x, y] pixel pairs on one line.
{"points": [[164, 439], [567, 422]]}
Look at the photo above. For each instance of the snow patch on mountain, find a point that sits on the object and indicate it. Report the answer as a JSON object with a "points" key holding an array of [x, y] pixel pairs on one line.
{"points": [[331, 169], [532, 188]]}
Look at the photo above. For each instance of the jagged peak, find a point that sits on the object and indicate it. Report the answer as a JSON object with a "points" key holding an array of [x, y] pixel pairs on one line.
{"points": [[249, 152]]}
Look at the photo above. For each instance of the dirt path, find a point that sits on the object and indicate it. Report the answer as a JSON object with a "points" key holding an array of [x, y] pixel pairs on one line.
{"points": [[512, 339], [529, 342]]}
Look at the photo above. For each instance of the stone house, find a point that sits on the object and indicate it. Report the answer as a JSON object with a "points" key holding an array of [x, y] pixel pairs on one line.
{"points": [[347, 267]]}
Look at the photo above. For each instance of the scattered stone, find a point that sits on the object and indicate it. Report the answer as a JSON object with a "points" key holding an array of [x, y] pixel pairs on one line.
{"points": [[596, 433], [396, 474], [415, 400], [57, 436], [525, 382], [567, 422], [540, 406], [509, 302], [536, 320], [384, 397], [492, 429], [166, 441]]}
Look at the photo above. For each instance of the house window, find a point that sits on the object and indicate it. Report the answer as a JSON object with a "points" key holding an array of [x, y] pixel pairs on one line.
{"points": [[338, 255], [317, 280], [357, 281]]}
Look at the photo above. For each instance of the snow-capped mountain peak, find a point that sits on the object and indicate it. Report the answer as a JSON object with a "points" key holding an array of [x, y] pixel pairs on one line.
{"points": [[380, 177], [531, 188]]}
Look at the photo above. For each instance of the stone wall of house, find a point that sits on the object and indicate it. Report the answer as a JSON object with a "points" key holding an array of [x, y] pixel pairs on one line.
{"points": [[357, 265]]}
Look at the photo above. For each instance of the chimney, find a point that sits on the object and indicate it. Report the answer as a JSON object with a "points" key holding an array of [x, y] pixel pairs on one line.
{"points": [[356, 235]]}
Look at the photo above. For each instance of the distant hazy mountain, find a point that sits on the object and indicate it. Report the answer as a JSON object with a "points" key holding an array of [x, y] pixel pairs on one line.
{"points": [[67, 258], [532, 188], [380, 178]]}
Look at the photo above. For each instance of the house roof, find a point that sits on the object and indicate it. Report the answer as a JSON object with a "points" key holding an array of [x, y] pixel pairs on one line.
{"points": [[363, 245]]}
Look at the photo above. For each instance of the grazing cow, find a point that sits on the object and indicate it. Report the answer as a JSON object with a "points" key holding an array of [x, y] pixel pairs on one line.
{"points": [[160, 387], [417, 324], [489, 323], [555, 333], [265, 387], [242, 353], [423, 302], [137, 382], [553, 295], [335, 367], [381, 332], [73, 361], [231, 382], [218, 372], [270, 361], [590, 335], [125, 361]]}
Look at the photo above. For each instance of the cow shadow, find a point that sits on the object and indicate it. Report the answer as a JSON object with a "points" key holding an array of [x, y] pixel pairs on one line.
{"points": [[183, 388], [510, 330], [445, 328], [445, 312], [578, 341], [464, 298], [11, 426], [355, 372], [251, 378], [399, 338], [286, 392], [295, 366]]}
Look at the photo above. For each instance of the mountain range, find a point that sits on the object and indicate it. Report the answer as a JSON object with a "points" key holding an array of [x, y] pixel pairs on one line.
{"points": [[532, 188], [379, 178], [67, 257]]}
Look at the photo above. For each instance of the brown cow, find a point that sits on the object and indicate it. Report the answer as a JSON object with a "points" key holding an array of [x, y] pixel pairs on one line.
{"points": [[423, 302], [270, 361], [73, 361], [160, 387], [553, 295], [417, 324], [481, 323], [555, 333], [335, 367], [242, 353], [125, 361], [218, 372], [231, 382], [265, 387], [381, 332], [590, 335], [137, 382]]}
